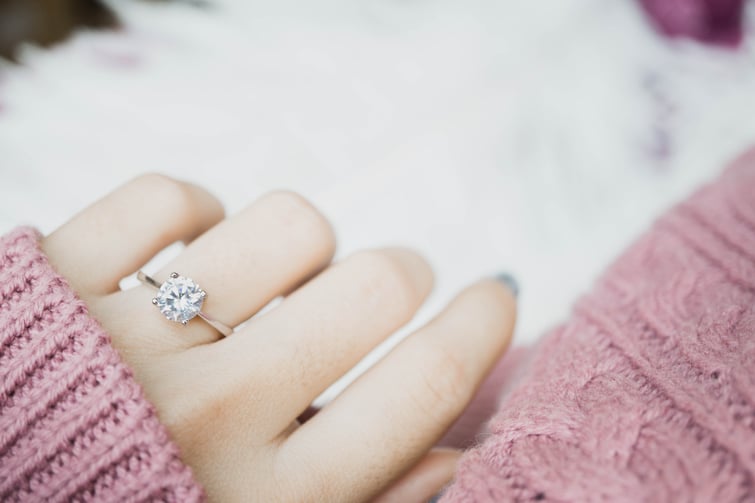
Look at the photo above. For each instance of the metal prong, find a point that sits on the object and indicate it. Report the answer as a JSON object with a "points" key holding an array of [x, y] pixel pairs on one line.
{"points": [[174, 275], [154, 301], [185, 322], [204, 294]]}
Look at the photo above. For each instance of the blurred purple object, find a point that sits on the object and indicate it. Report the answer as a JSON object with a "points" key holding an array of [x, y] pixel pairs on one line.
{"points": [[711, 21]]}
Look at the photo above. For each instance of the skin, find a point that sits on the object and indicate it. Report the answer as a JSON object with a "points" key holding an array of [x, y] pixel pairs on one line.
{"points": [[231, 404]]}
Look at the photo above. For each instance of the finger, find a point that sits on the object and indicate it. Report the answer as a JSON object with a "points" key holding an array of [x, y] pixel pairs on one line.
{"points": [[121, 232], [424, 480], [321, 331], [387, 419], [246, 261]]}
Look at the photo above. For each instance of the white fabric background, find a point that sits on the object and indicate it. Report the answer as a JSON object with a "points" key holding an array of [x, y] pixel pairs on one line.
{"points": [[533, 137]]}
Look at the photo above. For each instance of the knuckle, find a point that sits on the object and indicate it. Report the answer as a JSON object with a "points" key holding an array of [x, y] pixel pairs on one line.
{"points": [[301, 479], [167, 190], [294, 212], [444, 386], [385, 282], [316, 487]]}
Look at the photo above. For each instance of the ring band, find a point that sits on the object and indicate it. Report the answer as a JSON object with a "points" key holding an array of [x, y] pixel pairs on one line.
{"points": [[180, 299]]}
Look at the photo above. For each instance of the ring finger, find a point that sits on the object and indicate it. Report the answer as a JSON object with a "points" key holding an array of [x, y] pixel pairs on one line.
{"points": [[243, 263], [116, 235]]}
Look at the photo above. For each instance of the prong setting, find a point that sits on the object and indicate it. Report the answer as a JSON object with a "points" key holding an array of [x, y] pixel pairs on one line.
{"points": [[179, 298]]}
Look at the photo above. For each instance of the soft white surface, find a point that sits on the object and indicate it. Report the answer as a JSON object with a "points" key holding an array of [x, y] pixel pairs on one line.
{"points": [[534, 137]]}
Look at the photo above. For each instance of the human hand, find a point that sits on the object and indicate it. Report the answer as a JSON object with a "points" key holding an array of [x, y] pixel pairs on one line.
{"points": [[232, 404]]}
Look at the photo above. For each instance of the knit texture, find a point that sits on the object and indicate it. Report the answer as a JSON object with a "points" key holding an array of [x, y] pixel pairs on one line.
{"points": [[74, 425], [648, 392]]}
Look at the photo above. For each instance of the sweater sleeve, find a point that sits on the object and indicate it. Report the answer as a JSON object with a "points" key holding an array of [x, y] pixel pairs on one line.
{"points": [[648, 392], [74, 425]]}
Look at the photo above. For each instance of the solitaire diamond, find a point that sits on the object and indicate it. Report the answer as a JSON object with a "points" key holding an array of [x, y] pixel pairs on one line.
{"points": [[180, 298]]}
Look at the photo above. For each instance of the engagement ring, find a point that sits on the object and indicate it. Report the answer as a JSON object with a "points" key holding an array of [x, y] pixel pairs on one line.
{"points": [[180, 299]]}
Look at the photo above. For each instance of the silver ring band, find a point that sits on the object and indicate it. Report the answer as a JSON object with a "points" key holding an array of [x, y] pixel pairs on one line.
{"points": [[180, 299]]}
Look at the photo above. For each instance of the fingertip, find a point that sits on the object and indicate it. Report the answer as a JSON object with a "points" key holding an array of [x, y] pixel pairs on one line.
{"points": [[214, 207], [487, 308], [494, 297], [415, 267], [186, 198], [300, 217], [509, 281], [425, 481]]}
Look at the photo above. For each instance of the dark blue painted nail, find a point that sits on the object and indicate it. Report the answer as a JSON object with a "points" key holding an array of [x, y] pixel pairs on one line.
{"points": [[435, 499], [508, 280]]}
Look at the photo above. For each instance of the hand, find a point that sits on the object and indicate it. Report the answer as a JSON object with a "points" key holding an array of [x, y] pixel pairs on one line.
{"points": [[232, 404]]}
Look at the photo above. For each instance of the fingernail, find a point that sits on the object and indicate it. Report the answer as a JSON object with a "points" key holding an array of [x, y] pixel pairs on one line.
{"points": [[435, 499], [508, 280]]}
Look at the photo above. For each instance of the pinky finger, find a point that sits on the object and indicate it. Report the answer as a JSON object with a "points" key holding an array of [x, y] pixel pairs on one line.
{"points": [[424, 480]]}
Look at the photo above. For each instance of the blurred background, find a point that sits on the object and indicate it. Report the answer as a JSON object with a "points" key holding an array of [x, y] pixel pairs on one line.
{"points": [[538, 138]]}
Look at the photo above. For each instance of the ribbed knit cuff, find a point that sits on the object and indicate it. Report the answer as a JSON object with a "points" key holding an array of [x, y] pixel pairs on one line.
{"points": [[648, 392], [74, 425]]}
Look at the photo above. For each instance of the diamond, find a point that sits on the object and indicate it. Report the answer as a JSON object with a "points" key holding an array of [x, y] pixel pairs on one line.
{"points": [[179, 298]]}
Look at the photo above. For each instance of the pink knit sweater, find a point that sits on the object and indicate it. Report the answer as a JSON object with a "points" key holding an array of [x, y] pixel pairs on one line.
{"points": [[646, 394], [74, 426]]}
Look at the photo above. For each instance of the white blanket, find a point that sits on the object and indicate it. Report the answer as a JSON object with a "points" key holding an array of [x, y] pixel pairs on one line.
{"points": [[534, 137]]}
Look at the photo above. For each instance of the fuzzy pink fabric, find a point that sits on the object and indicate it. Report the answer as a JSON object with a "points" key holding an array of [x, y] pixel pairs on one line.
{"points": [[711, 21], [648, 392], [74, 425]]}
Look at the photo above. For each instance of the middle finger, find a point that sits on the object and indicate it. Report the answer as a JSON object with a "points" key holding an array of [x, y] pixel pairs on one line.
{"points": [[318, 333]]}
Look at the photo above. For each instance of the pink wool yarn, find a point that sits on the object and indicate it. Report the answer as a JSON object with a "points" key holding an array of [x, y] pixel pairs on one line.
{"points": [[648, 392], [74, 425]]}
